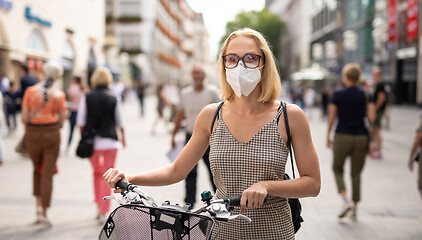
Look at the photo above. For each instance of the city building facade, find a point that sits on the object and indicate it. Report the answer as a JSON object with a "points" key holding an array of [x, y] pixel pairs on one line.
{"points": [[162, 37], [35, 31], [383, 33], [295, 46]]}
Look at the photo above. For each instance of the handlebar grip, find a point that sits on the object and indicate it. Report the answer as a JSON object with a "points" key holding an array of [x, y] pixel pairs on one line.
{"points": [[122, 184], [233, 201]]}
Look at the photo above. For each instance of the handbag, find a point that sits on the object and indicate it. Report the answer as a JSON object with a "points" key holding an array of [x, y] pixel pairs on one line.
{"points": [[21, 147], [86, 144], [294, 203]]}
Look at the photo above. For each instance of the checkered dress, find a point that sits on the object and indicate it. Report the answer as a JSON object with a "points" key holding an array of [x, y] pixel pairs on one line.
{"points": [[236, 166]]}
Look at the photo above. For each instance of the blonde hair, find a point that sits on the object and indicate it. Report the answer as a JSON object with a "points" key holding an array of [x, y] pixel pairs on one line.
{"points": [[352, 72], [101, 77], [53, 70], [270, 80]]}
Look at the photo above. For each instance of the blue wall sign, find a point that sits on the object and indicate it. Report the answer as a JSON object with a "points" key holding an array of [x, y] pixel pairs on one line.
{"points": [[36, 19], [8, 5]]}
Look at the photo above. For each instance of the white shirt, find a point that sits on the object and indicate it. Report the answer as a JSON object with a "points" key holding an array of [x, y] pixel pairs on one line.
{"points": [[192, 102], [100, 142], [5, 84]]}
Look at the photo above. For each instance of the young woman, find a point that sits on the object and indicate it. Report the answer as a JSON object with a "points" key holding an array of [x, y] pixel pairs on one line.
{"points": [[248, 151]]}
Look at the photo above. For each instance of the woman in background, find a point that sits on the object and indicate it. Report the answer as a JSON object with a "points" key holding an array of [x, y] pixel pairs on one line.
{"points": [[43, 113], [99, 110]]}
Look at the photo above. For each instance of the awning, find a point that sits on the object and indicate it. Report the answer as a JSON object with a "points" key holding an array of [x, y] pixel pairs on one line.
{"points": [[313, 73]]}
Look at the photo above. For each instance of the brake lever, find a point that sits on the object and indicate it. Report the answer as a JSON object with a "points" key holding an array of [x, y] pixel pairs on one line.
{"points": [[118, 200], [240, 216]]}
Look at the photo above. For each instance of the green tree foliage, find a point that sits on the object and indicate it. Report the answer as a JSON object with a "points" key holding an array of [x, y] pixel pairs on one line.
{"points": [[265, 22]]}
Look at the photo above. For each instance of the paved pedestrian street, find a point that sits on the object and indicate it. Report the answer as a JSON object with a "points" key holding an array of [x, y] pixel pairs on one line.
{"points": [[391, 206]]}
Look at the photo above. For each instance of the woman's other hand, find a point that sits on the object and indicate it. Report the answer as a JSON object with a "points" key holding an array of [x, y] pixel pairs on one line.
{"points": [[254, 196]]}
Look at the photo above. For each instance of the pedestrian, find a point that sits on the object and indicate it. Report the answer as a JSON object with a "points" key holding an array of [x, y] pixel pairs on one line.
{"points": [[309, 101], [325, 98], [1, 131], [380, 99], [100, 109], [75, 91], [4, 82], [350, 106], [162, 102], [12, 103], [140, 91], [192, 100], [118, 88], [26, 79], [43, 113], [415, 155], [248, 151]]}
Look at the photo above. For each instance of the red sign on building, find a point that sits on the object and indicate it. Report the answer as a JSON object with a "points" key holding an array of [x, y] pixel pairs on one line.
{"points": [[392, 20], [412, 20]]}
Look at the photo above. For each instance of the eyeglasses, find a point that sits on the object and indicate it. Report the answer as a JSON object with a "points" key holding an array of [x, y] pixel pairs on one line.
{"points": [[249, 60]]}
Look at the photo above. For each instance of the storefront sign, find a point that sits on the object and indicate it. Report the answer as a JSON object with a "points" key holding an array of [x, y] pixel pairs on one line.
{"points": [[8, 5], [412, 20], [36, 19], [392, 21], [405, 53]]}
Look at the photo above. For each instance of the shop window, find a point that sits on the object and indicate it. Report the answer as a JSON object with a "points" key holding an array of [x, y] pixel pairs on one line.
{"points": [[36, 41], [130, 8]]}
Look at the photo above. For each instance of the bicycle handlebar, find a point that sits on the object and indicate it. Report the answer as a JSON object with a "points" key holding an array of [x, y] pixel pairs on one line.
{"points": [[219, 208], [122, 184], [233, 201]]}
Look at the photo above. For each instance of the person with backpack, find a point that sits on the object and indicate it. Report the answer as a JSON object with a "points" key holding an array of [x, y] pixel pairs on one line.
{"points": [[248, 144]]}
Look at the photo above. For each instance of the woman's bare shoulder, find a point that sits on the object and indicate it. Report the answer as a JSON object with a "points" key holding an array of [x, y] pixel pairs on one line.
{"points": [[210, 109], [294, 112]]}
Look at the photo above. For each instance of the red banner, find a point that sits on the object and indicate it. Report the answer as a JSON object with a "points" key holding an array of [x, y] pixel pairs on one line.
{"points": [[392, 20], [412, 20]]}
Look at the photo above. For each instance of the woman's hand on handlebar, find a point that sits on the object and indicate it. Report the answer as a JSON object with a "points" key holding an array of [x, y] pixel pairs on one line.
{"points": [[112, 176], [253, 197]]}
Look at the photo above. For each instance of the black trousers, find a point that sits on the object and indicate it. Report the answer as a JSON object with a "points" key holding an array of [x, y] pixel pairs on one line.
{"points": [[191, 178]]}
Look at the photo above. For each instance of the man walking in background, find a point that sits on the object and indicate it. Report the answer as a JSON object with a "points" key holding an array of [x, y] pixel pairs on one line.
{"points": [[193, 99], [26, 79]]}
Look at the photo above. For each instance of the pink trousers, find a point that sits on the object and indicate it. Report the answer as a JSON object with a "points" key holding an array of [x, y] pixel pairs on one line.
{"points": [[101, 161]]}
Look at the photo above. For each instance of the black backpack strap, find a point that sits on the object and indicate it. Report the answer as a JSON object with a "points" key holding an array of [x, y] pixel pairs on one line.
{"points": [[278, 110], [289, 137], [216, 115]]}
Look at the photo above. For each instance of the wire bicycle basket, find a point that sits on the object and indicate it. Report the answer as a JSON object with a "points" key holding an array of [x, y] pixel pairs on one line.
{"points": [[134, 221]]}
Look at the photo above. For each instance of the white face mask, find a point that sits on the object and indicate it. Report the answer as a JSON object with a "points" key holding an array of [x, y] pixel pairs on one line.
{"points": [[243, 80]]}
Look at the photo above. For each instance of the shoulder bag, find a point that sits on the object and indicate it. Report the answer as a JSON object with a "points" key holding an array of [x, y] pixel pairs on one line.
{"points": [[86, 144]]}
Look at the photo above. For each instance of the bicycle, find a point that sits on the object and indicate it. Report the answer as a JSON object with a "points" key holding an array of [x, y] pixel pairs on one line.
{"points": [[140, 217]]}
